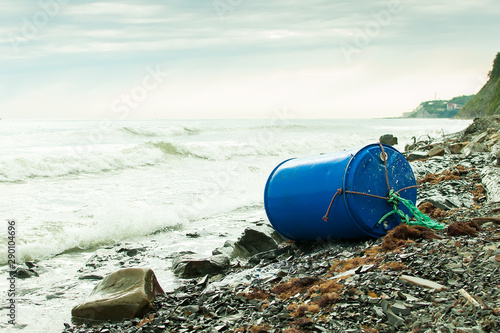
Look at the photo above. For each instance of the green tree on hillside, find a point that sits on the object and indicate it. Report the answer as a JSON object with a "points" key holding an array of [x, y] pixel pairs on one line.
{"points": [[495, 72], [487, 100]]}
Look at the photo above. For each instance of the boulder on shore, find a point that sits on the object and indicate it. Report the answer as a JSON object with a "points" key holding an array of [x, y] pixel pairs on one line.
{"points": [[456, 148], [253, 242], [436, 151], [190, 265], [127, 293], [417, 155], [388, 139]]}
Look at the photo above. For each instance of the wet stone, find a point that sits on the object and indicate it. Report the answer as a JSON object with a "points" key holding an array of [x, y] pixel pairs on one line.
{"points": [[91, 277], [23, 273], [444, 203], [388, 139], [400, 309], [192, 265], [436, 151], [456, 148], [253, 242], [417, 155], [391, 316]]}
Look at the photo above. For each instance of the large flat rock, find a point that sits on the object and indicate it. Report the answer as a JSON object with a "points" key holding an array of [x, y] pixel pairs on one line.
{"points": [[127, 293]]}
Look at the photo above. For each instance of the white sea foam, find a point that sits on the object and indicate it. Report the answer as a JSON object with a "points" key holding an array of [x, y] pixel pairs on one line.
{"points": [[135, 203], [161, 131], [73, 162], [111, 224]]}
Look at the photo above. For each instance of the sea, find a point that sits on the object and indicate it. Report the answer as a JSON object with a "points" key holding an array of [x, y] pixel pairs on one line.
{"points": [[74, 189]]}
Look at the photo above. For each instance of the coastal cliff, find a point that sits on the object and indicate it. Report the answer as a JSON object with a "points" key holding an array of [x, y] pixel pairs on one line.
{"points": [[487, 101]]}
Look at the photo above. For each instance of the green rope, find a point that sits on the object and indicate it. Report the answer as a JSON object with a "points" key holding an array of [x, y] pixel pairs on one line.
{"points": [[421, 219]]}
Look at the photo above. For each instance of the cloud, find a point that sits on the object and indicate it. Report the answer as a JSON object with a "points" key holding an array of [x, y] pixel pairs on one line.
{"points": [[320, 55]]}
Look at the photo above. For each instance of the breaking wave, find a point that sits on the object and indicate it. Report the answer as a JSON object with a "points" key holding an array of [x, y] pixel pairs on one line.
{"points": [[74, 160], [151, 132]]}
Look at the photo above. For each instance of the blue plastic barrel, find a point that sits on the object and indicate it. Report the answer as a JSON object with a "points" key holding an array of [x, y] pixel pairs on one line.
{"points": [[299, 191]]}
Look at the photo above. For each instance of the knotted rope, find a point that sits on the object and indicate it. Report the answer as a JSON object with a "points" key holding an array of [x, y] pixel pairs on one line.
{"points": [[420, 218], [394, 198]]}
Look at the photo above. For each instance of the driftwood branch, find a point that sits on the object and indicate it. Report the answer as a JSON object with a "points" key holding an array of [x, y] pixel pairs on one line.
{"points": [[469, 297], [486, 219]]}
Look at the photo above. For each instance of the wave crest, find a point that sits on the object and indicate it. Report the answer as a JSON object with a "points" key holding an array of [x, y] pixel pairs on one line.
{"points": [[152, 132], [73, 161]]}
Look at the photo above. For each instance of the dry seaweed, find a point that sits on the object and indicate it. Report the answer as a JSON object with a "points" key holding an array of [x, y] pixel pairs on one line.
{"points": [[340, 266], [256, 294], [434, 178], [479, 192], [432, 211], [295, 286], [461, 229], [403, 234]]}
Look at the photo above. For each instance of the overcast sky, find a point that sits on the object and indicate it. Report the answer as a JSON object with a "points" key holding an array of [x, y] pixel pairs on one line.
{"points": [[63, 59]]}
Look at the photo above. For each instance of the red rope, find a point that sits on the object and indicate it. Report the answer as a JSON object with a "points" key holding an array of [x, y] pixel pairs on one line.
{"points": [[367, 194], [339, 191], [325, 218], [407, 188]]}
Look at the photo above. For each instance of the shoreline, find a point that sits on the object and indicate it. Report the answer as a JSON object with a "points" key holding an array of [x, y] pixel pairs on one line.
{"points": [[360, 286]]}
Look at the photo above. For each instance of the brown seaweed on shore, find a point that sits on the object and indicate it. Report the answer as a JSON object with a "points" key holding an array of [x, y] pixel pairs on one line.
{"points": [[340, 266], [403, 234], [478, 192], [319, 292], [253, 329], [463, 229], [432, 211], [448, 174], [298, 285], [256, 294]]}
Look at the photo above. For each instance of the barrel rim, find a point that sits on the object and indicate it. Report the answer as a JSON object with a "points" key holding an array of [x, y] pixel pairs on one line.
{"points": [[362, 226]]}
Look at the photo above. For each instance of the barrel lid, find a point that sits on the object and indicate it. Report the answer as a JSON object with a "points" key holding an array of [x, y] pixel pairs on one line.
{"points": [[365, 181]]}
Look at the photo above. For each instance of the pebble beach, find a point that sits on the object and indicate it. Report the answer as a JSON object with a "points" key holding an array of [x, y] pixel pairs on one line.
{"points": [[414, 279]]}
